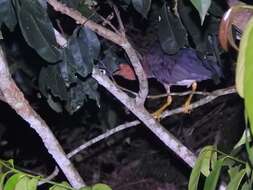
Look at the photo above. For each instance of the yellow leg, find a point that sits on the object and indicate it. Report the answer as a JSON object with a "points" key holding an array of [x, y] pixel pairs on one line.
{"points": [[157, 114], [188, 101]]}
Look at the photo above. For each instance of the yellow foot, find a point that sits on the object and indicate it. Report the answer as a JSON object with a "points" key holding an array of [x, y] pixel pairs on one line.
{"points": [[157, 114], [187, 108]]}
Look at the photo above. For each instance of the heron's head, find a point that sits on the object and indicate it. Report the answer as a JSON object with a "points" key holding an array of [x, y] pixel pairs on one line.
{"points": [[125, 71]]}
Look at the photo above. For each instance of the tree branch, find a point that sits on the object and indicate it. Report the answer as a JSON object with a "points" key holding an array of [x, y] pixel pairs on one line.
{"points": [[127, 125], [164, 135], [15, 98], [115, 38]]}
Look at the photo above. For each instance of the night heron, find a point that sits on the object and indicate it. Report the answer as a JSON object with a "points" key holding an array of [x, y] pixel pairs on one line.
{"points": [[182, 69]]}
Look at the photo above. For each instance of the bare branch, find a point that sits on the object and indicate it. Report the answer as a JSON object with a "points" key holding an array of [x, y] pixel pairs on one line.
{"points": [[202, 101], [102, 136], [127, 125], [164, 135], [15, 98], [117, 39], [117, 12]]}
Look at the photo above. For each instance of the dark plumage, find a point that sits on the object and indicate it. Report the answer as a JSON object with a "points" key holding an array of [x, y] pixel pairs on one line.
{"points": [[183, 68]]}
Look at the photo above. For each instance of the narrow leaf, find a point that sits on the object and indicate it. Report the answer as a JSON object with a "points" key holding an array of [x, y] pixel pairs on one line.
{"points": [[200, 165], [12, 181], [2, 179], [212, 179], [236, 180], [101, 186], [248, 73]]}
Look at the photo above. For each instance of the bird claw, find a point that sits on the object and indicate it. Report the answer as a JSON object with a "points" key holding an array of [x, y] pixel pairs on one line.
{"points": [[158, 113], [187, 107]]}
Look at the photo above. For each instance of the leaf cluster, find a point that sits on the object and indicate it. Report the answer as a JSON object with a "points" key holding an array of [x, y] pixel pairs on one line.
{"points": [[13, 179]]}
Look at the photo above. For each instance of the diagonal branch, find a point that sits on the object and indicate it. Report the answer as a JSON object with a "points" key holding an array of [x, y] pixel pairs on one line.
{"points": [[15, 98], [201, 102], [164, 135]]}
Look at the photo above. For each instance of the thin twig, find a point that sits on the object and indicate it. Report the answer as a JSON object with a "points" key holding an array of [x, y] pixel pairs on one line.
{"points": [[121, 25], [201, 102], [106, 21]]}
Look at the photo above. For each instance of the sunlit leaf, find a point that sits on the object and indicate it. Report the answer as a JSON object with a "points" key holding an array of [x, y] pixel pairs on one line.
{"points": [[201, 164], [101, 186], [85, 188], [242, 141], [12, 181], [62, 186], [2, 179], [235, 180], [11, 163], [202, 7], [212, 179], [22, 184], [142, 6], [32, 183], [247, 41]]}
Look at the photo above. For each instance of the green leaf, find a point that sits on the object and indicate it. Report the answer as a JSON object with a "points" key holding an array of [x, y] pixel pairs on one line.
{"points": [[37, 29], [101, 186], [32, 183], [172, 34], [85, 188], [247, 41], [142, 6], [7, 14], [2, 179], [202, 7], [22, 184], [11, 163], [246, 186], [249, 150], [202, 164], [212, 179], [236, 180], [233, 170], [242, 141], [61, 186], [12, 181]]}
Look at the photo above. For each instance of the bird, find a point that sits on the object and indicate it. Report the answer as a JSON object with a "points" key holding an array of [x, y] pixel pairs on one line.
{"points": [[185, 68]]}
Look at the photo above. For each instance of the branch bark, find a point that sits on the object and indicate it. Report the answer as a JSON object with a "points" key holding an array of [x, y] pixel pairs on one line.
{"points": [[164, 135], [15, 98], [120, 40]]}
